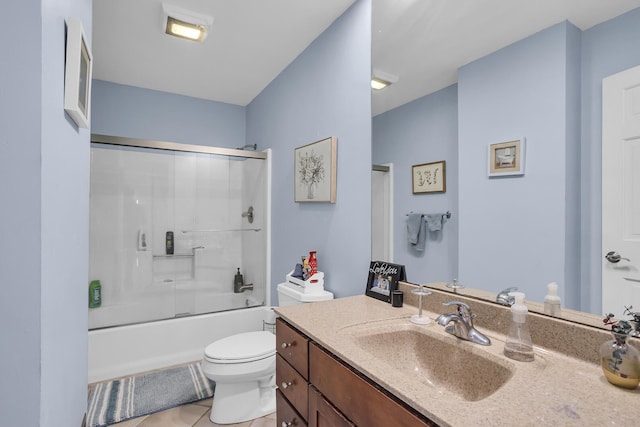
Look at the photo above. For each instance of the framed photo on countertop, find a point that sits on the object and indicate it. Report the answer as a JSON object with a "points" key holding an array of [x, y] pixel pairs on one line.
{"points": [[383, 279]]}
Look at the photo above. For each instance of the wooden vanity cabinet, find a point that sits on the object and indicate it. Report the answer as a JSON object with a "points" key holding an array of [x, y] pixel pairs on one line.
{"points": [[337, 396]]}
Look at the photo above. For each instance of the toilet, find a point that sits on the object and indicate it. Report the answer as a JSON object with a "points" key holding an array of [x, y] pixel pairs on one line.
{"points": [[244, 366]]}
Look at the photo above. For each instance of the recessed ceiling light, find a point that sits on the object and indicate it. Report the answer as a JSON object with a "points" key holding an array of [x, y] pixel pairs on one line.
{"points": [[379, 84], [178, 28], [185, 24], [380, 79]]}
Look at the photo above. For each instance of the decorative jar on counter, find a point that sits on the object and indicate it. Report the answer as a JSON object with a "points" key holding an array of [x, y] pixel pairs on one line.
{"points": [[620, 361]]}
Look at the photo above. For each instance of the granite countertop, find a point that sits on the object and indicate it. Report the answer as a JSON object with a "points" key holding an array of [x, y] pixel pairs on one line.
{"points": [[553, 390]]}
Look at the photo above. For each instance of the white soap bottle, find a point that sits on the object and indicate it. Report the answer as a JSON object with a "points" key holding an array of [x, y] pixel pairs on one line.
{"points": [[552, 300], [518, 344]]}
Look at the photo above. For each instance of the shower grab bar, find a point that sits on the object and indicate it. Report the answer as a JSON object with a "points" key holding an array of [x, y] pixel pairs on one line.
{"points": [[220, 230]]}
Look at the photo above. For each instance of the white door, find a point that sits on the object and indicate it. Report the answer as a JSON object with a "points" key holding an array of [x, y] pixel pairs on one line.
{"points": [[381, 214], [621, 192]]}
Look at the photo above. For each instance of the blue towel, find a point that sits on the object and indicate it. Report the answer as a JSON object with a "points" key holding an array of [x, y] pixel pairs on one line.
{"points": [[416, 232], [413, 227], [434, 221], [422, 236]]}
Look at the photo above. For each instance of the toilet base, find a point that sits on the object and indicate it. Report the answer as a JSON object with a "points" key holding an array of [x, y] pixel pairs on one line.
{"points": [[243, 401]]}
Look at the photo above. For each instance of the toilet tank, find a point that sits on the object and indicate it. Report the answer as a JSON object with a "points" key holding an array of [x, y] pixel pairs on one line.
{"points": [[289, 296]]}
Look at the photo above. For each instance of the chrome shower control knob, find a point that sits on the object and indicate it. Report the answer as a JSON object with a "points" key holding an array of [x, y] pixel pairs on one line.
{"points": [[285, 385], [286, 344]]}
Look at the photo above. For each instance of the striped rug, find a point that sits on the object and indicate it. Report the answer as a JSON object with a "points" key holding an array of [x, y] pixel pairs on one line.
{"points": [[119, 400]]}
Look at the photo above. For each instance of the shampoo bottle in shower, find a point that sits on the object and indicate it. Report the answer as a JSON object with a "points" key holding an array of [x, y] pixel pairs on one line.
{"points": [[95, 294], [169, 243]]}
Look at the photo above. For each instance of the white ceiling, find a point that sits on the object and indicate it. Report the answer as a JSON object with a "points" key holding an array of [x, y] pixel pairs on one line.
{"points": [[422, 42]]}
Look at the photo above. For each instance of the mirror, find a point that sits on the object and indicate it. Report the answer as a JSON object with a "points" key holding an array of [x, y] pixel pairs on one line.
{"points": [[524, 231]]}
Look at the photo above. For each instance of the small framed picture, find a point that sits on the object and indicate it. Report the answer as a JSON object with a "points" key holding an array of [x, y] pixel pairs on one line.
{"points": [[429, 178], [315, 171], [77, 74], [383, 279], [506, 158]]}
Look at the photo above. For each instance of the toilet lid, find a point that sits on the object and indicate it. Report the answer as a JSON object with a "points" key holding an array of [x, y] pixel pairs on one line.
{"points": [[245, 347]]}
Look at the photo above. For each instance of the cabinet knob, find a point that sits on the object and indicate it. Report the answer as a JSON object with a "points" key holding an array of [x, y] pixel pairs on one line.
{"points": [[285, 385], [286, 424], [286, 344]]}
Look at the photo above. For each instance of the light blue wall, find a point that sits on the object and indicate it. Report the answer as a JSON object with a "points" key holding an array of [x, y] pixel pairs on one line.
{"points": [[423, 131], [44, 268], [607, 49], [324, 92], [20, 261], [133, 112]]}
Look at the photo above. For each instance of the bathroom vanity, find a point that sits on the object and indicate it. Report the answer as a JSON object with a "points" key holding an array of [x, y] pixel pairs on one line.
{"points": [[359, 361], [318, 389]]}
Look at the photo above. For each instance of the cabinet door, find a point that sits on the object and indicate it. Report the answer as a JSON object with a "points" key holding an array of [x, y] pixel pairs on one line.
{"points": [[293, 346], [365, 404], [323, 413]]}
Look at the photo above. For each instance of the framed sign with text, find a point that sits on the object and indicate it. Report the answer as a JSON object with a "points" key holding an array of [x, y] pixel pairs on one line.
{"points": [[383, 279]]}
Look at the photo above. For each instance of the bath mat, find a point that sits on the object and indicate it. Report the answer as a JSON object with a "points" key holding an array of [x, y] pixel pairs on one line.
{"points": [[119, 400]]}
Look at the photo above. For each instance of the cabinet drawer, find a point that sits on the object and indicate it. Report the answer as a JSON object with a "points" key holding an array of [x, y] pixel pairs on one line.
{"points": [[323, 413], [292, 386], [286, 415], [355, 397], [293, 346]]}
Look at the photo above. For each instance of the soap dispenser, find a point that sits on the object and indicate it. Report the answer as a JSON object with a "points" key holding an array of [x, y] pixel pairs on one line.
{"points": [[552, 300], [518, 344]]}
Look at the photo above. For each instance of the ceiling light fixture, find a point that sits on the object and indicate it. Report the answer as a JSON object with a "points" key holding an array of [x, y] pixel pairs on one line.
{"points": [[380, 80], [379, 84], [185, 24]]}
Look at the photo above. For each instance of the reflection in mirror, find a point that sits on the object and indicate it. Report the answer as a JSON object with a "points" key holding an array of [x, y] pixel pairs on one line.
{"points": [[513, 231]]}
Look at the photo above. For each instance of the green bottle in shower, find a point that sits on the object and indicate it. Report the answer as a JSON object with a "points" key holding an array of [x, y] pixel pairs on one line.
{"points": [[95, 294]]}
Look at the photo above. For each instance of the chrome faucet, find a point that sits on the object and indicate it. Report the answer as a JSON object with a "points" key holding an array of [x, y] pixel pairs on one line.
{"points": [[462, 324], [504, 298], [247, 287]]}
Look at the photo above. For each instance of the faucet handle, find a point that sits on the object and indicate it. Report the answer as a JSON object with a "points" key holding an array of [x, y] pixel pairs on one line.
{"points": [[463, 309], [504, 298]]}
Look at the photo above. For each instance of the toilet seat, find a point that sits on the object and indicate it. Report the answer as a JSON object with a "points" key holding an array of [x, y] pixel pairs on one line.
{"points": [[242, 348]]}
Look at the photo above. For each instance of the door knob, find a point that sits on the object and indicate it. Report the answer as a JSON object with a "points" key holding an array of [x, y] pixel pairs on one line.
{"points": [[614, 257]]}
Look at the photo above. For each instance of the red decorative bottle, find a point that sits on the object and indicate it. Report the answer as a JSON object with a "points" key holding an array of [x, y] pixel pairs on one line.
{"points": [[313, 263]]}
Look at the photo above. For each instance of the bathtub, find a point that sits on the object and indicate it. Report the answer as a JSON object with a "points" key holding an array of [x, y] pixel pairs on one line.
{"points": [[130, 349]]}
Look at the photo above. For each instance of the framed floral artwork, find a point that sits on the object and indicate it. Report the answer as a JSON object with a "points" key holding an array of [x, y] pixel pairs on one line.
{"points": [[429, 178], [315, 171]]}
